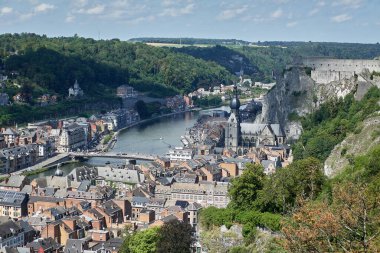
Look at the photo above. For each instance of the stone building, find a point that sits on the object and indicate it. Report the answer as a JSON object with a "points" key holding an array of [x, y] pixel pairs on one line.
{"points": [[11, 234], [325, 70], [125, 91], [240, 137], [206, 193], [15, 158], [72, 137], [76, 91]]}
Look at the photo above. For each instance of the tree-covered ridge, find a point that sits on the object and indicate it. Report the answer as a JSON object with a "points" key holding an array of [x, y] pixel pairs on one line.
{"points": [[191, 41], [47, 61]]}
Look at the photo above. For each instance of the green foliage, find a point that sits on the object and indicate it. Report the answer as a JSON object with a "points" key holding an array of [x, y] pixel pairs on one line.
{"points": [[142, 242], [243, 189], [9, 115], [55, 63], [213, 216], [209, 101], [301, 179], [329, 125], [175, 237], [142, 109]]}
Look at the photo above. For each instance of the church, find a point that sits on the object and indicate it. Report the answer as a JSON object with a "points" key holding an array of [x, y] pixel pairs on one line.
{"points": [[240, 137]]}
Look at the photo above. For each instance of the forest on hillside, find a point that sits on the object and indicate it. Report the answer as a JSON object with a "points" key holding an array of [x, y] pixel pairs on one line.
{"points": [[55, 63]]}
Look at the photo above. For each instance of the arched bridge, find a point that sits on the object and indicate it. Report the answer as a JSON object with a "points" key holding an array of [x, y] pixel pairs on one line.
{"points": [[137, 156]]}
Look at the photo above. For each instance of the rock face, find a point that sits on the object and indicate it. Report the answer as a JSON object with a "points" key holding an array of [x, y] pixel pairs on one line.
{"points": [[297, 94], [355, 144]]}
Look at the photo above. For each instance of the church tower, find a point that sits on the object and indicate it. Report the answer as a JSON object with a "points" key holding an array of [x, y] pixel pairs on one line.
{"points": [[232, 131]]}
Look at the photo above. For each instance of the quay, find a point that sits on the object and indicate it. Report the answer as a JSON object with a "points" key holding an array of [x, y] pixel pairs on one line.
{"points": [[136, 156]]}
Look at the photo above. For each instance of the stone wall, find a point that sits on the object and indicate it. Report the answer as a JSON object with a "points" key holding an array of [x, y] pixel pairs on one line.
{"points": [[326, 70], [346, 65]]}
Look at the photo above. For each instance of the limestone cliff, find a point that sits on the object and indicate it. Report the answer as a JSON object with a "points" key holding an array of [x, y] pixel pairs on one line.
{"points": [[297, 94], [367, 136]]}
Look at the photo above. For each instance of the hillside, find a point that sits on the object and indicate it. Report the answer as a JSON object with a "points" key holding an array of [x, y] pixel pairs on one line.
{"points": [[54, 64], [359, 142]]}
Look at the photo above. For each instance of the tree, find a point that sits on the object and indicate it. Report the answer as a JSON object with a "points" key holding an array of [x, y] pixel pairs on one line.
{"points": [[142, 109], [302, 179], [175, 237], [144, 241], [244, 189], [350, 224]]}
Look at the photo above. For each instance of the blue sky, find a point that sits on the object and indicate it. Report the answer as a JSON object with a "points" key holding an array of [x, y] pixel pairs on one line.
{"points": [[253, 20]]}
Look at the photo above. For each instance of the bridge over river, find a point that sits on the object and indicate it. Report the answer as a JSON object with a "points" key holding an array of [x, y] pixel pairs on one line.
{"points": [[136, 156]]}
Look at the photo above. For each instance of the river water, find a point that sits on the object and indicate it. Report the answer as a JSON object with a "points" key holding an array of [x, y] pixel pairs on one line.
{"points": [[151, 137]]}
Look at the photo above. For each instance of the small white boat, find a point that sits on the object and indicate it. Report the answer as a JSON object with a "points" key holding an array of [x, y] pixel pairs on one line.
{"points": [[161, 138]]}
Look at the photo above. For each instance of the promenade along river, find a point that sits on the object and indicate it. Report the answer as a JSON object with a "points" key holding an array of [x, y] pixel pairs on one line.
{"points": [[151, 137]]}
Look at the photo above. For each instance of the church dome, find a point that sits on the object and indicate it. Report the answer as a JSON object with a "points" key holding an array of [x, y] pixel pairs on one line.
{"points": [[235, 103], [58, 173]]}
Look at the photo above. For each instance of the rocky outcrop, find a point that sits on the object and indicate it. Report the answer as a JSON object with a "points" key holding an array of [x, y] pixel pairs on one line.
{"points": [[359, 143], [297, 94]]}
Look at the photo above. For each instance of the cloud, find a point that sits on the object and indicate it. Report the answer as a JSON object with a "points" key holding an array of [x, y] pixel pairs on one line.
{"points": [[232, 12], [341, 18], [291, 24], [98, 9], [70, 18], [174, 12], [277, 13], [314, 11], [348, 3], [5, 10], [43, 7]]}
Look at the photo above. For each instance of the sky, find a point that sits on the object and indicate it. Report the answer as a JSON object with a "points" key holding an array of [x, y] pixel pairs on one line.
{"points": [[251, 20]]}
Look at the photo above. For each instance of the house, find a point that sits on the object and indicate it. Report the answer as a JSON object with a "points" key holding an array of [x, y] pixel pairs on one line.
{"points": [[11, 233], [125, 91], [13, 204], [19, 157], [113, 213], [11, 137], [47, 245], [76, 246], [14, 183], [72, 138]]}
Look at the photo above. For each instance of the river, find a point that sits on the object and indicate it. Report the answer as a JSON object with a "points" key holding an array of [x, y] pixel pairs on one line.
{"points": [[151, 137]]}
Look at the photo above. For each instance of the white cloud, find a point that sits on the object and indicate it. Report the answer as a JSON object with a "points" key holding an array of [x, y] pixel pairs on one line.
{"points": [[232, 12], [314, 11], [321, 3], [348, 3], [174, 12], [70, 18], [341, 18], [98, 9], [5, 10], [43, 7], [277, 13], [291, 24]]}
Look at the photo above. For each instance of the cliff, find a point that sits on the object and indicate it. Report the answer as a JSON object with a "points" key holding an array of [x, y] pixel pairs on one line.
{"points": [[364, 139], [297, 94]]}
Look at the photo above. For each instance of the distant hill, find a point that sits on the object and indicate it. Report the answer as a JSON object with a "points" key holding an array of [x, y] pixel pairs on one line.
{"points": [[191, 41]]}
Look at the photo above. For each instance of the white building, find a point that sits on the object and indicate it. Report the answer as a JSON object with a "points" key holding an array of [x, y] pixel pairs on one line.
{"points": [[75, 91], [179, 154], [72, 137]]}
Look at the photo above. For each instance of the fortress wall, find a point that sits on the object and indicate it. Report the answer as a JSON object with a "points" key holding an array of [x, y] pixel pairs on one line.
{"points": [[321, 76], [345, 65]]}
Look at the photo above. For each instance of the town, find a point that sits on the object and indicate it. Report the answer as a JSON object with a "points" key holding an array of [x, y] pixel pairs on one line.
{"points": [[92, 205]]}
